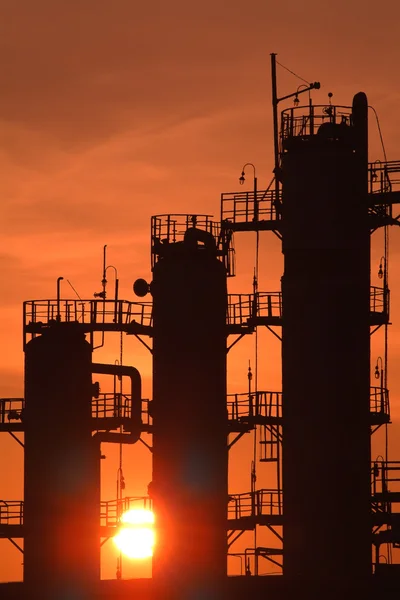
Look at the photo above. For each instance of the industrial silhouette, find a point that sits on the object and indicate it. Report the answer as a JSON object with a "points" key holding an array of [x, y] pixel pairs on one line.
{"points": [[324, 203]]}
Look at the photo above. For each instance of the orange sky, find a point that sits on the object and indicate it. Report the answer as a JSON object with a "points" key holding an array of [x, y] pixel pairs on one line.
{"points": [[113, 111]]}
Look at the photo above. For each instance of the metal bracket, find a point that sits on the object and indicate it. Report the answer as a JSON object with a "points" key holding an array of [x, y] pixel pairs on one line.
{"points": [[143, 342], [272, 530], [146, 444], [237, 438], [376, 329], [16, 439], [18, 547], [235, 342], [235, 538], [272, 560], [274, 332]]}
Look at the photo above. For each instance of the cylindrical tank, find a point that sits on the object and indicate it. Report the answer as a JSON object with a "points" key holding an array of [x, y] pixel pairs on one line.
{"points": [[326, 351], [62, 463], [190, 455]]}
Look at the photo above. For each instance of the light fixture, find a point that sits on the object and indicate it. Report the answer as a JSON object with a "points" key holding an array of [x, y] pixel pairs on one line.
{"points": [[241, 178], [377, 372]]}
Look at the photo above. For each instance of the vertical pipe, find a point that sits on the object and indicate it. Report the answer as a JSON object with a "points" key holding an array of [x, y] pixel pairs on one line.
{"points": [[255, 201], [275, 114], [59, 280]]}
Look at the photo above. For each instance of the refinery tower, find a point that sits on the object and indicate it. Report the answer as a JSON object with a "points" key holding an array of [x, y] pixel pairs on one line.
{"points": [[324, 492]]}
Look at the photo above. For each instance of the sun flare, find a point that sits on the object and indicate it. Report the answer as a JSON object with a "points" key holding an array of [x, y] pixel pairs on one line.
{"points": [[135, 537]]}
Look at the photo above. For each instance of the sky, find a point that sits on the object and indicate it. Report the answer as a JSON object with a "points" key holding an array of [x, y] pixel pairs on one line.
{"points": [[112, 111]]}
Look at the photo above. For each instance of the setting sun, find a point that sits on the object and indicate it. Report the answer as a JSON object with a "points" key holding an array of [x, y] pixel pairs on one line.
{"points": [[135, 537]]}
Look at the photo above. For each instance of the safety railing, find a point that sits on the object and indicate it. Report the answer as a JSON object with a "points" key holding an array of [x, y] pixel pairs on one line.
{"points": [[170, 229], [383, 177], [11, 512], [379, 401], [91, 315], [379, 300], [112, 510], [252, 504], [270, 442], [91, 312], [245, 309], [167, 230], [262, 502], [306, 120], [102, 314], [249, 207], [11, 409], [112, 405], [269, 305], [385, 477], [385, 486], [147, 419], [241, 407], [241, 308], [264, 405]]}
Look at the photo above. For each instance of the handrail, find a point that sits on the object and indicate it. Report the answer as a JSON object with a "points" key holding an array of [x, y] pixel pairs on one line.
{"points": [[242, 308], [11, 409], [302, 121], [11, 512], [384, 473], [240, 406], [169, 230], [383, 177], [246, 207], [87, 311], [112, 510], [254, 504]]}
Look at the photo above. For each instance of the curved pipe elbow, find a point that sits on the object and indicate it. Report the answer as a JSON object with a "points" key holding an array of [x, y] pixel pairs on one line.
{"points": [[136, 392]]}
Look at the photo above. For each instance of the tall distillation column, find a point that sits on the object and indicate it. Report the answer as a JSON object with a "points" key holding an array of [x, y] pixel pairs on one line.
{"points": [[62, 463], [326, 345], [190, 455]]}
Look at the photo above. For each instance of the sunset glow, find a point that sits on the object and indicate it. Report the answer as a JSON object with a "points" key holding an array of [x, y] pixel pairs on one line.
{"points": [[112, 112], [136, 537]]}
